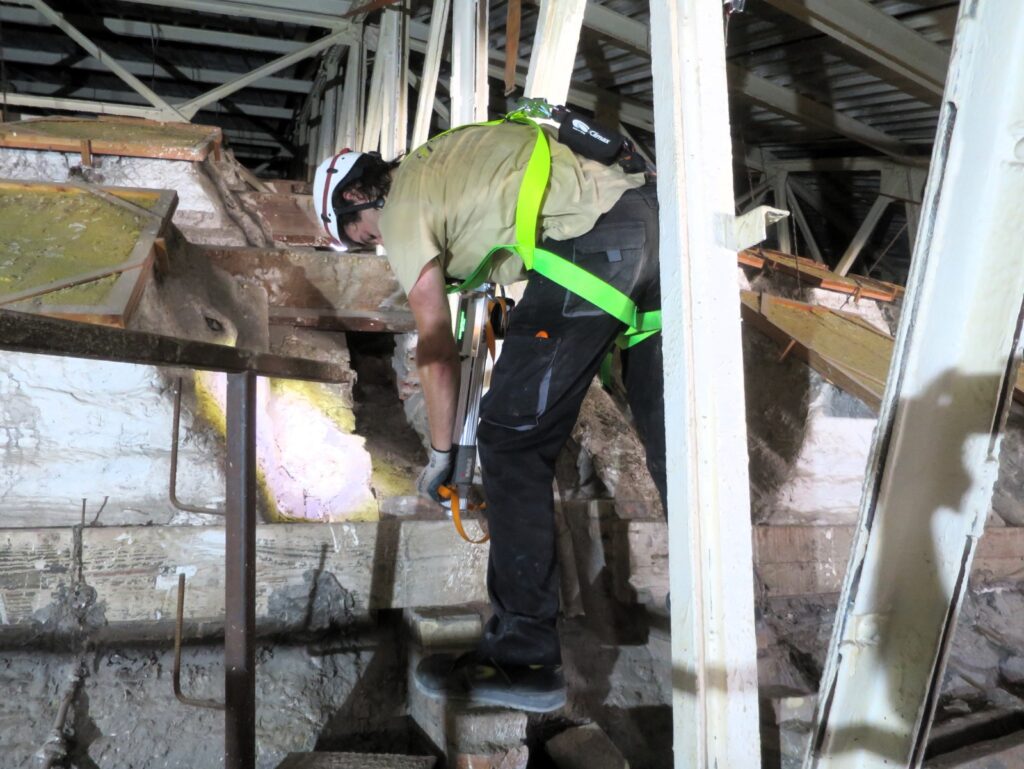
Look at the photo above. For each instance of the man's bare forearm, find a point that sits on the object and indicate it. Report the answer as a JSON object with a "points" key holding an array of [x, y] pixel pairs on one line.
{"points": [[437, 358], [438, 364]]}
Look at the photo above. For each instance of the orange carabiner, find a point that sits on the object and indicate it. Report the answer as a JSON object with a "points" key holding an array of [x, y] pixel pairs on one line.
{"points": [[451, 494]]}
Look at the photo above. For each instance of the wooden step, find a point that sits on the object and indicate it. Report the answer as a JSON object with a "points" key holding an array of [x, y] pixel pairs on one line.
{"points": [[355, 761]]}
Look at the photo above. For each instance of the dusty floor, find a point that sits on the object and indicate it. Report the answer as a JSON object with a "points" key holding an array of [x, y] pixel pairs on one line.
{"points": [[345, 690]]}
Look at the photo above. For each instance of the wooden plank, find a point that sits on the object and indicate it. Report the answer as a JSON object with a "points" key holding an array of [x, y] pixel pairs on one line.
{"points": [[288, 217], [134, 570], [797, 560], [851, 355], [133, 137], [329, 290], [343, 319], [818, 275], [842, 347]]}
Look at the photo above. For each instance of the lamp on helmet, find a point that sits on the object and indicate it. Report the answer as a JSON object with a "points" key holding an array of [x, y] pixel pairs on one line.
{"points": [[331, 178]]}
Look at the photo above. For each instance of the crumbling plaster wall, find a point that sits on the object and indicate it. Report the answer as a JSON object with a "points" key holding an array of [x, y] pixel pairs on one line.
{"points": [[62, 412], [126, 717]]}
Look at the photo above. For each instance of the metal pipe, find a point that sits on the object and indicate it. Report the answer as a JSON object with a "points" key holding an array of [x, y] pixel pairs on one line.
{"points": [[25, 332], [172, 491], [176, 673], [240, 575]]}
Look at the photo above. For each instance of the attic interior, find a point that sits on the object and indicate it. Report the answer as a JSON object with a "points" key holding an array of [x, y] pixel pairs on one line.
{"points": [[212, 552]]}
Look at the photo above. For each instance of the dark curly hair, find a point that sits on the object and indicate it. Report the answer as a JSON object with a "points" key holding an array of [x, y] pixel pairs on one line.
{"points": [[370, 175]]}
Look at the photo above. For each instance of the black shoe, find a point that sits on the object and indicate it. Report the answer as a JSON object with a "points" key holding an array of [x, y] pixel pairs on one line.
{"points": [[476, 681]]}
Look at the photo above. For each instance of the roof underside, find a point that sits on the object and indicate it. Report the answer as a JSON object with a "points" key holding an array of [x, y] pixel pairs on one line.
{"points": [[813, 79]]}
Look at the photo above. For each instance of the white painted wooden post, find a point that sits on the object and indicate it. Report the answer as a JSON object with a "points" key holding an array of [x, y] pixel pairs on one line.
{"points": [[394, 123], [781, 201], [431, 67], [313, 138], [350, 121], [469, 88], [554, 49], [714, 652], [329, 110], [930, 475]]}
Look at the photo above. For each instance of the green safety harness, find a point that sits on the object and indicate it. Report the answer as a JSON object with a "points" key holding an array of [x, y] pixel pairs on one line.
{"points": [[600, 293]]}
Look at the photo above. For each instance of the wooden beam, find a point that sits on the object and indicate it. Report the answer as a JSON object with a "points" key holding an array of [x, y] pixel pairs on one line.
{"points": [[431, 68], [867, 227], [714, 654], [350, 126], [842, 348], [554, 49], [783, 101], [134, 570], [791, 560], [327, 290], [930, 476], [469, 90], [913, 59]]}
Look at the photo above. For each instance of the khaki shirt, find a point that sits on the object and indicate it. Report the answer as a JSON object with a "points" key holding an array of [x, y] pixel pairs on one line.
{"points": [[455, 198]]}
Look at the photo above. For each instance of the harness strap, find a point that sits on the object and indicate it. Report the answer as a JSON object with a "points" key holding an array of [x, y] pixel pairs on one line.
{"points": [[572, 277]]}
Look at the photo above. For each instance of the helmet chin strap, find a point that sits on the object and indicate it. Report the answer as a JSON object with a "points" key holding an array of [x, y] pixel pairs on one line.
{"points": [[351, 209]]}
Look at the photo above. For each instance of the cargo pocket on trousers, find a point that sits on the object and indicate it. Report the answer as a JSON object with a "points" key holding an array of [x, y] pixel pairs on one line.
{"points": [[612, 253], [520, 383]]}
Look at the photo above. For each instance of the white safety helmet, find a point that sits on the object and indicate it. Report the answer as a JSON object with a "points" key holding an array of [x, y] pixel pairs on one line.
{"points": [[341, 169]]}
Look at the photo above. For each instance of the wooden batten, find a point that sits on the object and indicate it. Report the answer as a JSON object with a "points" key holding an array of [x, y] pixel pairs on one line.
{"points": [[842, 347], [88, 137]]}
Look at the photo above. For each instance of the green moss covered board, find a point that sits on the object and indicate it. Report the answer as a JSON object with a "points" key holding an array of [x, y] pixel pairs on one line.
{"points": [[76, 251]]}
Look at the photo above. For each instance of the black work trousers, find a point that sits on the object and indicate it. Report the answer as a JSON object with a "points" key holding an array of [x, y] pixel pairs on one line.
{"points": [[554, 346]]}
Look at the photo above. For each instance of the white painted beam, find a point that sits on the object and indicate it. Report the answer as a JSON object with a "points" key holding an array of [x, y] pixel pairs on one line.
{"points": [[782, 101], [350, 123], [863, 235], [192, 106], [113, 104], [929, 480], [79, 105], [198, 36], [781, 195], [821, 165], [394, 113], [789, 103], [253, 10], [469, 89], [431, 68], [555, 43], [149, 69], [166, 110], [872, 32], [386, 42], [331, 69], [714, 652]]}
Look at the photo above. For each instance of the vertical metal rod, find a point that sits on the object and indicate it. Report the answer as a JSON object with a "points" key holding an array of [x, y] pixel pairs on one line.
{"points": [[240, 575]]}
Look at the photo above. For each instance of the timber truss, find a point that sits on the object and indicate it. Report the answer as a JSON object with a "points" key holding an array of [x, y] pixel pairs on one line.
{"points": [[833, 104]]}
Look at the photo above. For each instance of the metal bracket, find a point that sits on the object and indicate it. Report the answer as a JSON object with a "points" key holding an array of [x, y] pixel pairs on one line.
{"points": [[751, 228], [176, 676]]}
